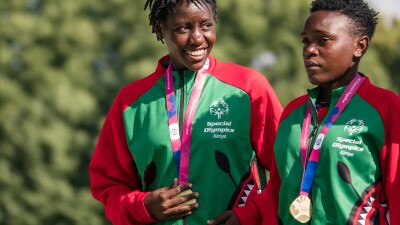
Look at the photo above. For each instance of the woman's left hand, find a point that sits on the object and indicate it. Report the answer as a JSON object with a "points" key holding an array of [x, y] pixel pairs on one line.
{"points": [[228, 218]]}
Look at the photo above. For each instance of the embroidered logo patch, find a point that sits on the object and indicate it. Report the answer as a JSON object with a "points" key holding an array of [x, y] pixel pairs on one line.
{"points": [[354, 126], [219, 108]]}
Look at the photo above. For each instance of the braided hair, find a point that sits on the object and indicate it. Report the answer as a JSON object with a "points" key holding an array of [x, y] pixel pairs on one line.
{"points": [[364, 19], [159, 9]]}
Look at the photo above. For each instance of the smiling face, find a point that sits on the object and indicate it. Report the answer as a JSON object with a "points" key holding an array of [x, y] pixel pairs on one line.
{"points": [[330, 51], [189, 33]]}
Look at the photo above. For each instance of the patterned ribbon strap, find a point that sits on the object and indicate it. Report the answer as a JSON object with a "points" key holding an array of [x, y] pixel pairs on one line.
{"points": [[309, 171], [181, 149]]}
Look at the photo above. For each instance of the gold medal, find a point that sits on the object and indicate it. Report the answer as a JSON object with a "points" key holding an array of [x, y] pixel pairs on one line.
{"points": [[183, 193], [301, 209]]}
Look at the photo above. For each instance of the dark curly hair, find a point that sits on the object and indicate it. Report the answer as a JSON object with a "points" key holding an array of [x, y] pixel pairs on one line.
{"points": [[364, 19], [159, 9]]}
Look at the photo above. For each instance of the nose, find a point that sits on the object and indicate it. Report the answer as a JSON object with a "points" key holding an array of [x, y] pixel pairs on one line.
{"points": [[310, 50], [196, 37]]}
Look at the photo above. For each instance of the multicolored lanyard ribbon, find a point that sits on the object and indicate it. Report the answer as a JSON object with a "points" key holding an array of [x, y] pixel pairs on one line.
{"points": [[301, 207], [181, 148], [309, 171]]}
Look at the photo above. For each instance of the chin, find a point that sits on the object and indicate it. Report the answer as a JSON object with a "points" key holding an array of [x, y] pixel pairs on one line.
{"points": [[313, 80]]}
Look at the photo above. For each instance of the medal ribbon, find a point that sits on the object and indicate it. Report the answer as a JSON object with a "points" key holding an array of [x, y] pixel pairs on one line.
{"points": [[309, 171], [181, 149]]}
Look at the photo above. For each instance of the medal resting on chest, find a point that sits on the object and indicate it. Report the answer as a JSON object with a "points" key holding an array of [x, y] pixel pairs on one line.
{"points": [[301, 207]]}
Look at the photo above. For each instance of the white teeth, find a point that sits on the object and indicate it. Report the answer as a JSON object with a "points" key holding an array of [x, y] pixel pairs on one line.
{"points": [[196, 53]]}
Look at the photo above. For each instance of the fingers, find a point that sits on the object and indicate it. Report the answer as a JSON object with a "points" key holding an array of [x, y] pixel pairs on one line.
{"points": [[176, 190], [217, 220], [178, 211], [182, 202], [177, 195], [185, 194], [181, 210], [174, 183], [173, 189], [227, 218], [171, 202], [171, 186]]}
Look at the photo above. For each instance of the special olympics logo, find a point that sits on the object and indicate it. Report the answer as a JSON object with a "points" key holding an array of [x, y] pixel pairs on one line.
{"points": [[219, 108], [174, 131], [354, 126], [318, 142]]}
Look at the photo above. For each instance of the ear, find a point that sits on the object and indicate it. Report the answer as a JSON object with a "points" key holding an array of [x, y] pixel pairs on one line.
{"points": [[362, 44], [158, 30]]}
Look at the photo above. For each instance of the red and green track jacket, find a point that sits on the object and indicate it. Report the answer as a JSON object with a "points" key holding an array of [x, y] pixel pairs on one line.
{"points": [[357, 181], [236, 119]]}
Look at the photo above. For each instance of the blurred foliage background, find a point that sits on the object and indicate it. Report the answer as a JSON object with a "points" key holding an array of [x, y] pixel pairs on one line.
{"points": [[62, 63]]}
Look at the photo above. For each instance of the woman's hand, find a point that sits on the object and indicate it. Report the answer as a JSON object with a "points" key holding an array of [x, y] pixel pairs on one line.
{"points": [[163, 204], [227, 218]]}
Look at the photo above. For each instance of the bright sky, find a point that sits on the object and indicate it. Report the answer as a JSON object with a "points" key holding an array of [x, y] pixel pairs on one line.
{"points": [[387, 8]]}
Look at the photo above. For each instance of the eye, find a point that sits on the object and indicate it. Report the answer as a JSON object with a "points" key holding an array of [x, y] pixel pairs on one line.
{"points": [[305, 41], [206, 26], [323, 40], [182, 29]]}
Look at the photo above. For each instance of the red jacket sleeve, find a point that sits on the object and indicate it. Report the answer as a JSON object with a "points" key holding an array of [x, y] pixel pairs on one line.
{"points": [[391, 159], [388, 106], [265, 114], [113, 175], [270, 210]]}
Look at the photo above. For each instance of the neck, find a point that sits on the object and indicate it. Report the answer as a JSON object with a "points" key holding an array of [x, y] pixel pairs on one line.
{"points": [[324, 95], [342, 81], [326, 89]]}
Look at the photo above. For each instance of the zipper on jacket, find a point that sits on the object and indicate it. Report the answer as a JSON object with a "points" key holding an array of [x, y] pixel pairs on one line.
{"points": [[182, 101], [314, 132]]}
